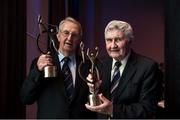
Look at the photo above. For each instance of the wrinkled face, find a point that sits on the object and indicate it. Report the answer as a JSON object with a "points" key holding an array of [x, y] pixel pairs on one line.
{"points": [[69, 38], [117, 45]]}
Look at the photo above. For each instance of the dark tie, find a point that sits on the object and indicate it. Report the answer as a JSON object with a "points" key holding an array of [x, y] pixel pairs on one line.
{"points": [[68, 81], [115, 79]]}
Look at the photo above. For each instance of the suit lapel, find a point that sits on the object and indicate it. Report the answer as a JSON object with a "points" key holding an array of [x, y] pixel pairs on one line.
{"points": [[128, 72], [106, 69], [80, 85], [60, 82]]}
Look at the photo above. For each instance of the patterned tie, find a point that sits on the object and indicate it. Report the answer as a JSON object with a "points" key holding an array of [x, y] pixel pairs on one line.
{"points": [[115, 79], [68, 82]]}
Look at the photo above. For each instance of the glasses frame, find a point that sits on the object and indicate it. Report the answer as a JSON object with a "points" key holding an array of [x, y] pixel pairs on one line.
{"points": [[67, 33]]}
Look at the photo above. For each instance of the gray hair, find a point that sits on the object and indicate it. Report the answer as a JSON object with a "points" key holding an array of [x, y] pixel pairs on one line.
{"points": [[70, 19], [122, 26]]}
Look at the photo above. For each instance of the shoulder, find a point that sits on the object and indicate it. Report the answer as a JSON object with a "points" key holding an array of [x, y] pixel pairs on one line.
{"points": [[33, 65], [34, 61], [142, 59], [142, 62], [105, 59]]}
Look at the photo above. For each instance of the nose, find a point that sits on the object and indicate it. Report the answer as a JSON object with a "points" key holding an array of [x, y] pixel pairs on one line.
{"points": [[69, 36], [114, 43]]}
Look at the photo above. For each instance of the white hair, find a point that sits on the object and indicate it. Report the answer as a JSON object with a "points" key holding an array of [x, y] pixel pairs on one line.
{"points": [[122, 26]]}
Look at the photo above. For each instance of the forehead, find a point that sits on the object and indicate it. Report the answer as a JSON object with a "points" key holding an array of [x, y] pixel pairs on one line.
{"points": [[114, 33], [67, 25]]}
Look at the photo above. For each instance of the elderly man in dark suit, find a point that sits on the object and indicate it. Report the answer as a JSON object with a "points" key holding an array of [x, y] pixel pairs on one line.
{"points": [[129, 80], [63, 96]]}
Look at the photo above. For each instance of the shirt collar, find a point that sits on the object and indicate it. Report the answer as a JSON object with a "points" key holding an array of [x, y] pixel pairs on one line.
{"points": [[61, 57], [123, 61]]}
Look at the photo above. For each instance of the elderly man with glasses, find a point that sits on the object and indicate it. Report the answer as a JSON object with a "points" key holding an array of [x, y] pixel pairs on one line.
{"points": [[63, 96]]}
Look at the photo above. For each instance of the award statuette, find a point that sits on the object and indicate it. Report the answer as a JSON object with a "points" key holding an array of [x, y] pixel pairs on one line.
{"points": [[50, 70], [93, 98]]}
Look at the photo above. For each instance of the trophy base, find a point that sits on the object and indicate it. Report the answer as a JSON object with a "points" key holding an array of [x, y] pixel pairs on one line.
{"points": [[94, 100], [50, 71]]}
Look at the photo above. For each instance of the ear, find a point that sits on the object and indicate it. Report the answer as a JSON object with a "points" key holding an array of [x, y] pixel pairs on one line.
{"points": [[58, 35]]}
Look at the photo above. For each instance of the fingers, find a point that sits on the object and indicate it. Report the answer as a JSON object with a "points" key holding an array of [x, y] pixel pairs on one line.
{"points": [[89, 77], [44, 60], [100, 108], [105, 108], [161, 104], [90, 85], [93, 85], [92, 108], [102, 98], [48, 53]]}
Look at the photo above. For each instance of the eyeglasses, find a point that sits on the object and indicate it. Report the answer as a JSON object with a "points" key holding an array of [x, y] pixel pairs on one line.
{"points": [[67, 33]]}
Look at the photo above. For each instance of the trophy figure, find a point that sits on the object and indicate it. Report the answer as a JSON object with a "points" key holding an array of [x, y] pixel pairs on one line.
{"points": [[50, 70], [93, 98]]}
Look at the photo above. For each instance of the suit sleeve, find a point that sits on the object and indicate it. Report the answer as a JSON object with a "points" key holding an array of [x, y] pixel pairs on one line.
{"points": [[145, 106], [32, 86]]}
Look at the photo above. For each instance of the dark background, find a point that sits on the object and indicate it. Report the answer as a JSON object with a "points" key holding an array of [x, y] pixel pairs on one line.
{"points": [[156, 26]]}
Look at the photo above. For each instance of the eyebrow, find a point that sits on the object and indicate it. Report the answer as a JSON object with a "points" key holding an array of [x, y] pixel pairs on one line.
{"points": [[69, 31], [115, 37]]}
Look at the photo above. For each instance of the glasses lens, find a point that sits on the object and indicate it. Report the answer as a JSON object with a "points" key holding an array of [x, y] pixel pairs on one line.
{"points": [[73, 35]]}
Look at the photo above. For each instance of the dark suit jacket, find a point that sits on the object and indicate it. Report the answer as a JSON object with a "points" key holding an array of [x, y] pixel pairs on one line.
{"points": [[136, 92], [51, 97]]}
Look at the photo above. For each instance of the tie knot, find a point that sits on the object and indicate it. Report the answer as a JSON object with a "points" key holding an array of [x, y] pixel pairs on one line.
{"points": [[66, 60], [118, 64]]}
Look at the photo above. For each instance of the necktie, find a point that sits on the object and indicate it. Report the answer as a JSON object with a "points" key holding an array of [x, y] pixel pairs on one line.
{"points": [[115, 79], [68, 82]]}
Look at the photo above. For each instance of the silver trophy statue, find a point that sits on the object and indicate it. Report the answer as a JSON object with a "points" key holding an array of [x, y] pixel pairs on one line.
{"points": [[93, 98]]}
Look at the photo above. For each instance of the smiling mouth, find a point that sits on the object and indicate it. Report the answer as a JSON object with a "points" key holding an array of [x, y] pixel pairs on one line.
{"points": [[67, 43], [114, 50]]}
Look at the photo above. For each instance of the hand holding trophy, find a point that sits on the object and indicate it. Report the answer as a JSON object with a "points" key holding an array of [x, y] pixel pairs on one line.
{"points": [[49, 70], [93, 98]]}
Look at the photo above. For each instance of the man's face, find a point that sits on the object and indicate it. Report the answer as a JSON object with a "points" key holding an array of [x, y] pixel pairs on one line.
{"points": [[69, 38], [117, 45]]}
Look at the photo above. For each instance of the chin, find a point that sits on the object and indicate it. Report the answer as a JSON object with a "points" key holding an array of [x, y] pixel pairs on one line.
{"points": [[68, 48], [115, 56]]}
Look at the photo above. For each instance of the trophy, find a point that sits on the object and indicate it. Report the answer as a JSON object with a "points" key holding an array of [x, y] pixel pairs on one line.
{"points": [[93, 98], [50, 70]]}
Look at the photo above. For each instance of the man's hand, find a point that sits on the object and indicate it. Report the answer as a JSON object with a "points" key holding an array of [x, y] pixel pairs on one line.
{"points": [[93, 84], [44, 60], [161, 104], [105, 108]]}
